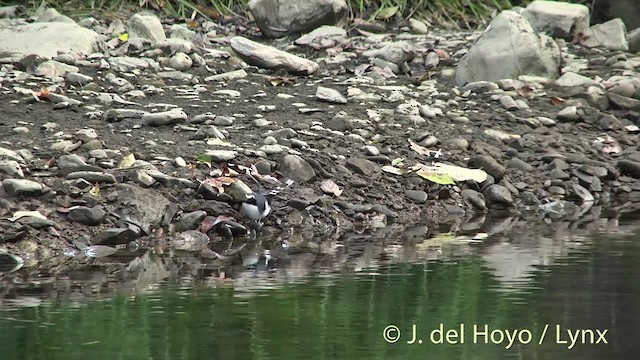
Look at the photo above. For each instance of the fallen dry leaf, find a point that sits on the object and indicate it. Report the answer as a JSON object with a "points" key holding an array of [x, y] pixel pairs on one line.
{"points": [[556, 100], [525, 90], [210, 221], [330, 187], [219, 183], [441, 53], [419, 149]]}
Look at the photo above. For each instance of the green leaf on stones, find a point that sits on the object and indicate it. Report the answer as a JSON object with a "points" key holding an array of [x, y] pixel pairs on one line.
{"points": [[387, 12], [204, 158]]}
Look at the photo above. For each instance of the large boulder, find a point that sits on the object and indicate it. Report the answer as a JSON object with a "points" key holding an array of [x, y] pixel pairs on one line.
{"points": [[509, 48], [278, 18], [46, 39], [557, 19]]}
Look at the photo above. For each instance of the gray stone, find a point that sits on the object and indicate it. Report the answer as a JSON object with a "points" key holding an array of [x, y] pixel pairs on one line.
{"points": [[570, 113], [330, 95], [190, 221], [146, 26], [634, 40], [363, 166], [180, 61], [11, 168], [168, 117], [78, 79], [629, 167], [520, 164], [417, 196], [583, 194], [145, 208], [508, 103], [611, 35], [324, 37], [22, 187], [498, 195], [92, 176], [395, 53], [116, 236], [277, 18], [296, 168], [269, 57], [87, 216], [47, 39], [490, 166], [507, 49], [474, 198], [624, 102], [557, 19]]}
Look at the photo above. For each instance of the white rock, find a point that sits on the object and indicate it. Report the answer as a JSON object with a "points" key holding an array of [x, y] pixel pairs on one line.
{"points": [[330, 95], [557, 18], [611, 35], [180, 61], [47, 39], [146, 26], [507, 49]]}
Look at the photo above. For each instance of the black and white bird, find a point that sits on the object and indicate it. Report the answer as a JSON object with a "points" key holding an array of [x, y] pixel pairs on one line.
{"points": [[255, 207]]}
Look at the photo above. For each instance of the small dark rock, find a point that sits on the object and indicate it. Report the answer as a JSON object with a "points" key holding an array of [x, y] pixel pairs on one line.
{"points": [[87, 216], [417, 196], [116, 236], [190, 221], [498, 195]]}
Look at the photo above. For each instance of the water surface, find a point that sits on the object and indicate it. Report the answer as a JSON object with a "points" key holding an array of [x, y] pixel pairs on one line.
{"points": [[508, 284]]}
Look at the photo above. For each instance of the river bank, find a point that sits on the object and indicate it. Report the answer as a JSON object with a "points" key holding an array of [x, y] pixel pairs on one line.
{"points": [[152, 145]]}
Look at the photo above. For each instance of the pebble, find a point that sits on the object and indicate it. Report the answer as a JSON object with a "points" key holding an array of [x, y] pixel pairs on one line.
{"points": [[417, 196]]}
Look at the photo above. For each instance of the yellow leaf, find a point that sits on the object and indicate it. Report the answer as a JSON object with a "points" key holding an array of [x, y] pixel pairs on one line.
{"points": [[95, 191], [127, 161], [442, 179], [123, 37]]}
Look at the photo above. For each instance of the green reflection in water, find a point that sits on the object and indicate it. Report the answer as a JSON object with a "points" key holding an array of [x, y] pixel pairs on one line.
{"points": [[343, 316]]}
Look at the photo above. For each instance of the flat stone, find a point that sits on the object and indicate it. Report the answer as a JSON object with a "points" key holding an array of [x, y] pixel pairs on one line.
{"points": [[222, 155], [92, 176], [116, 236], [87, 216], [47, 39], [22, 187], [268, 57], [330, 95], [363, 166], [520, 164]]}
